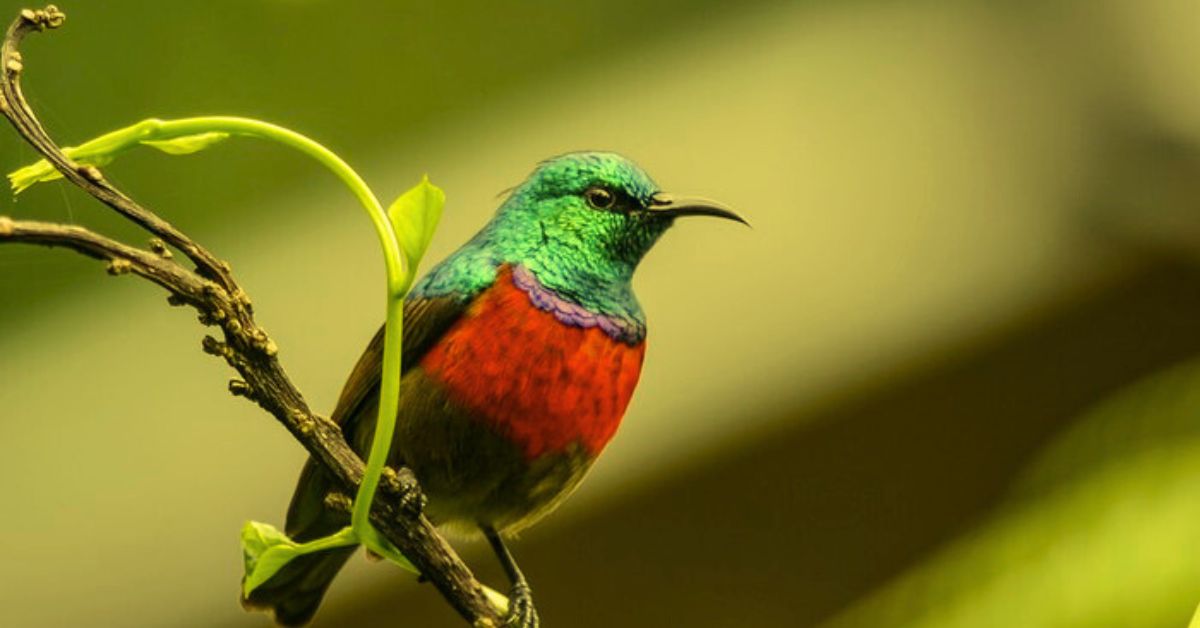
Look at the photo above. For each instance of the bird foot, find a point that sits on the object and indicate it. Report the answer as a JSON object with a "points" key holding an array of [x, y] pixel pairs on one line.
{"points": [[409, 497], [521, 612]]}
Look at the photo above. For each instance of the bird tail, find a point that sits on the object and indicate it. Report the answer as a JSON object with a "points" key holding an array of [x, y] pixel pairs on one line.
{"points": [[293, 594]]}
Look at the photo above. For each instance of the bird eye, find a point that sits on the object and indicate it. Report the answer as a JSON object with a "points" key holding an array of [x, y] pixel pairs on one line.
{"points": [[599, 198]]}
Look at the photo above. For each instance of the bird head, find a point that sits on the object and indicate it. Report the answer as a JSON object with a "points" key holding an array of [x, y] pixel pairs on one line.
{"points": [[591, 215]]}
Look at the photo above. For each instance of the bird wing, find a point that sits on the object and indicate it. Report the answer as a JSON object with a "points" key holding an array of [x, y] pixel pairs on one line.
{"points": [[425, 320]]}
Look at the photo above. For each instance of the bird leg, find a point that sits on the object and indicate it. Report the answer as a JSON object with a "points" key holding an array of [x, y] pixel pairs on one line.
{"points": [[521, 612]]}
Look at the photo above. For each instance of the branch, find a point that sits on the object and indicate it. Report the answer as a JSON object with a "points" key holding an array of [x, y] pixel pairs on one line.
{"points": [[211, 289]]}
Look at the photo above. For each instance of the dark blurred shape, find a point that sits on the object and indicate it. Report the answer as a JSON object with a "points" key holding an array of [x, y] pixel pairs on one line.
{"points": [[1146, 191]]}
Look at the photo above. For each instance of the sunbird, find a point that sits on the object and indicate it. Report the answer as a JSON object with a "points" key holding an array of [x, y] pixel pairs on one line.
{"points": [[521, 351]]}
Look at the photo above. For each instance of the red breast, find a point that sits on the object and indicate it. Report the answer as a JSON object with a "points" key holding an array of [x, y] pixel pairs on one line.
{"points": [[542, 383]]}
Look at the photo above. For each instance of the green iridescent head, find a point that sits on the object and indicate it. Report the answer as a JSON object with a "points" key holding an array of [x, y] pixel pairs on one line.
{"points": [[595, 213], [580, 222], [583, 208]]}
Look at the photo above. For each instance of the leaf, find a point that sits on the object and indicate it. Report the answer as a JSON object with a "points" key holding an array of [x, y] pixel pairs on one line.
{"points": [[102, 150], [415, 216], [188, 143], [40, 172], [265, 551]]}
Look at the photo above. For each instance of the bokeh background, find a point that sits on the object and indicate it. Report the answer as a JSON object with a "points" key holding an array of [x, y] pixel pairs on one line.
{"points": [[951, 378]]}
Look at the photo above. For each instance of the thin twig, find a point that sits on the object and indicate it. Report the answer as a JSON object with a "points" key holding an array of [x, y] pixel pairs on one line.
{"points": [[212, 290]]}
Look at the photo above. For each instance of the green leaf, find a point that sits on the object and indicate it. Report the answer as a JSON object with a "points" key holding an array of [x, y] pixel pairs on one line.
{"points": [[415, 216], [188, 143], [265, 551], [102, 150], [40, 172]]}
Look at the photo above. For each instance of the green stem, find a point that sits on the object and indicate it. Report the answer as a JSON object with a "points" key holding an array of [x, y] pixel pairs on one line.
{"points": [[397, 275], [385, 424], [397, 279], [393, 259]]}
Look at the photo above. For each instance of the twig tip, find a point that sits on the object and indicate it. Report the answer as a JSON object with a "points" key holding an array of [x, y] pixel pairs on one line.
{"points": [[212, 346], [49, 17], [240, 389]]}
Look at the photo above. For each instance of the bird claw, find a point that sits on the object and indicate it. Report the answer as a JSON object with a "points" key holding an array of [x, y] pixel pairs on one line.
{"points": [[410, 498], [413, 502], [521, 612]]}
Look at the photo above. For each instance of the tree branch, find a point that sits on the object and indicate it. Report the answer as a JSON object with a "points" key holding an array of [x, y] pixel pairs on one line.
{"points": [[211, 289]]}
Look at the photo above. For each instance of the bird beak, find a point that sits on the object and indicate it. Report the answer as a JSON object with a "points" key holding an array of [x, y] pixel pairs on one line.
{"points": [[662, 204]]}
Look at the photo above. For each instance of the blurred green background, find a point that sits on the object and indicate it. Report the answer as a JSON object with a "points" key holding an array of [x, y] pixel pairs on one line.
{"points": [[951, 378]]}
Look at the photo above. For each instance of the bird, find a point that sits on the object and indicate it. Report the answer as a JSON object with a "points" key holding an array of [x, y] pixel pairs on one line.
{"points": [[521, 351]]}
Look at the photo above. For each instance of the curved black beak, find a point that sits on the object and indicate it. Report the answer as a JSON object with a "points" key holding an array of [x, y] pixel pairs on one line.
{"points": [[663, 204]]}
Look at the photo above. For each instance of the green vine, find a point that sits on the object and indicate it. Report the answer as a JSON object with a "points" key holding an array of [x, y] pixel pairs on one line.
{"points": [[404, 232]]}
